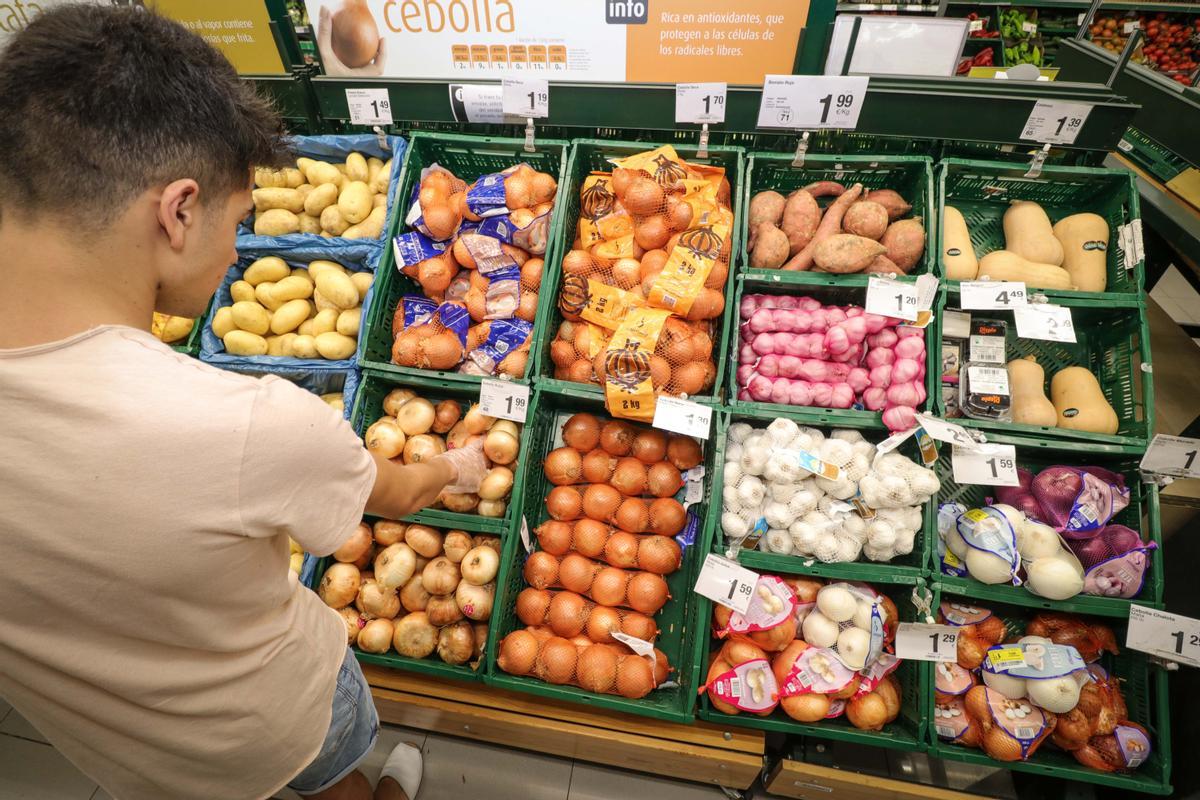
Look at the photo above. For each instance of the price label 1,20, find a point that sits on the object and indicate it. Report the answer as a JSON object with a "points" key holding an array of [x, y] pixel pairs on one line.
{"points": [[985, 465], [369, 106], [1163, 634], [726, 582], [700, 102], [917, 641], [811, 101], [504, 399], [1044, 321], [989, 295], [1055, 122], [526, 97], [891, 298], [1175, 456], [682, 416]]}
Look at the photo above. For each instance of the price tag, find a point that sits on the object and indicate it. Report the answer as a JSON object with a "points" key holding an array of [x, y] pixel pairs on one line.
{"points": [[986, 349], [503, 399], [1163, 634], [525, 540], [1006, 658], [1172, 455], [726, 582], [891, 298], [989, 295], [1079, 19], [526, 97], [1055, 122], [1130, 26], [472, 102], [947, 432], [700, 102], [639, 646], [693, 493], [1129, 236], [892, 442], [1044, 321], [988, 380], [1029, 27], [975, 25], [990, 465], [917, 641], [369, 106], [682, 416], [811, 101]]}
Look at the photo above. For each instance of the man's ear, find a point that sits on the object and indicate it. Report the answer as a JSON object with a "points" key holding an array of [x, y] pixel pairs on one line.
{"points": [[177, 208]]}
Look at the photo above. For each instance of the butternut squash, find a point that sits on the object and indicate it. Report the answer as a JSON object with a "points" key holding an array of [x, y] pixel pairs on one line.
{"points": [[1080, 403], [1027, 382], [1027, 233], [958, 256], [1084, 239], [1003, 265]]}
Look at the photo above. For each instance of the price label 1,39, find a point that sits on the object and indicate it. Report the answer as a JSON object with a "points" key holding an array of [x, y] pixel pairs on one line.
{"points": [[700, 102], [526, 97], [985, 465], [1163, 634], [917, 641], [811, 101], [1175, 456], [1055, 122], [369, 106], [682, 416], [504, 399], [891, 298], [1044, 321], [989, 295], [726, 582]]}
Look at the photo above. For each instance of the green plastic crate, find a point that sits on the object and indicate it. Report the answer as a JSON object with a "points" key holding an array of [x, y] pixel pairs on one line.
{"points": [[1142, 514], [467, 157], [981, 190], [368, 407], [1144, 686], [1113, 341], [676, 633], [911, 176], [831, 290], [588, 155]]}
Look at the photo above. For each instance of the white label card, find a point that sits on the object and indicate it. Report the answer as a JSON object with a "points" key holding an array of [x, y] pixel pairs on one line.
{"points": [[1172, 455], [1055, 122], [639, 646], [1130, 26], [975, 25], [700, 102], [811, 101], [891, 298], [944, 431], [990, 465], [986, 349], [1161, 633], [917, 641], [525, 540], [927, 286], [989, 295], [504, 399], [682, 416], [526, 97], [726, 582], [1044, 321], [369, 106], [1029, 27], [473, 102], [987, 380]]}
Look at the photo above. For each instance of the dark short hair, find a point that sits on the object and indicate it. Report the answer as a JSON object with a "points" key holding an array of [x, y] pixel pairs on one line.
{"points": [[99, 104]]}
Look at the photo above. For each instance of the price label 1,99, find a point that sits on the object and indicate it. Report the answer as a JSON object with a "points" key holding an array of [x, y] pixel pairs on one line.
{"points": [[726, 582], [1055, 122], [526, 97], [987, 295], [891, 298], [985, 465], [1175, 456], [916, 641], [504, 399], [811, 101], [1161, 633]]}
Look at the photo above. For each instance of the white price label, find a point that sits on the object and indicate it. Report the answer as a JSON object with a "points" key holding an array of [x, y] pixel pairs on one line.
{"points": [[525, 540], [369, 106], [1045, 321], [1055, 122], [986, 349], [948, 432], [988, 295], [682, 416], [1079, 19], [639, 646], [503, 399], [472, 102], [726, 582], [526, 97], [694, 493], [989, 465], [891, 298], [1029, 27], [927, 286], [1175, 456], [892, 442], [1161, 633], [1129, 237], [700, 102], [811, 101], [917, 641], [975, 25], [1130, 25], [987, 380]]}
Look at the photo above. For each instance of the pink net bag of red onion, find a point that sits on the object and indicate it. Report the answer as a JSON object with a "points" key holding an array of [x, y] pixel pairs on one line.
{"points": [[1078, 501], [1115, 561]]}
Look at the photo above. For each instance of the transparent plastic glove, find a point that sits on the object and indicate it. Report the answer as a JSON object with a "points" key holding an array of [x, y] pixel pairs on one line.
{"points": [[469, 465]]}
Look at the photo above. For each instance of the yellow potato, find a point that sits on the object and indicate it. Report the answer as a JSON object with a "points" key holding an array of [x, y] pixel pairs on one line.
{"points": [[369, 228], [251, 317], [315, 267], [285, 343], [304, 346], [362, 281], [320, 199], [274, 346], [373, 166], [292, 176], [301, 272], [335, 401], [304, 189], [319, 172], [356, 167], [379, 201], [332, 221], [276, 222], [306, 328], [265, 295], [289, 316], [309, 224], [244, 343], [335, 346], [174, 328], [303, 164], [241, 290], [348, 321], [223, 321], [266, 199], [354, 202], [325, 321], [293, 287], [383, 178], [337, 288], [322, 302], [268, 268], [341, 167], [269, 178]]}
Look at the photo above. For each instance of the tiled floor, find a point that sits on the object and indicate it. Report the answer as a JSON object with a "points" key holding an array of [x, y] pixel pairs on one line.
{"points": [[30, 769], [1177, 297]]}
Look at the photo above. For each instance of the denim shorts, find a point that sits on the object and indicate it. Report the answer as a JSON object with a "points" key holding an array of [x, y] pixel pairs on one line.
{"points": [[353, 729]]}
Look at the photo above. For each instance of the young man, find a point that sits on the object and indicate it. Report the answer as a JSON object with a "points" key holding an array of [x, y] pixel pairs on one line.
{"points": [[149, 625]]}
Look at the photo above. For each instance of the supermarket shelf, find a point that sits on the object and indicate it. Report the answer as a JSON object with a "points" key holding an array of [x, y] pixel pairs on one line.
{"points": [[1165, 213], [790, 778], [912, 7], [1083, 5]]}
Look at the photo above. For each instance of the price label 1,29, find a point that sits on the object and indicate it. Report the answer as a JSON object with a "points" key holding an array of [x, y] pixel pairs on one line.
{"points": [[985, 465], [1055, 122], [369, 106], [1044, 321], [682, 416], [989, 295], [916, 641], [891, 298], [504, 399], [1163, 634], [811, 101], [700, 102], [726, 582], [1175, 456], [526, 97]]}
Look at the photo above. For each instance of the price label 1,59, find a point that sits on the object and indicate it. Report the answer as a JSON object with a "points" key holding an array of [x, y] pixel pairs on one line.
{"points": [[1161, 633], [916, 641], [726, 582], [1175, 456], [504, 399], [988, 295], [682, 416], [1055, 122], [700, 102], [811, 101], [526, 97], [891, 298], [985, 465]]}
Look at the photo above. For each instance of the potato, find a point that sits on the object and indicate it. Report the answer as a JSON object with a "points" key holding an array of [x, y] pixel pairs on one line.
{"points": [[383, 178], [332, 221], [335, 346], [292, 177], [293, 287], [304, 189], [356, 167], [354, 202], [306, 328], [241, 290], [325, 321], [289, 316], [315, 267], [362, 281], [379, 201], [322, 302], [268, 178], [373, 166], [303, 164], [285, 343], [301, 272], [336, 288], [304, 346], [845, 252], [244, 343], [264, 293], [320, 199], [274, 346], [348, 321], [801, 216], [766, 207], [223, 321], [176, 328], [268, 268], [369, 228], [276, 222], [251, 317], [309, 223], [320, 172], [770, 247], [905, 242]]}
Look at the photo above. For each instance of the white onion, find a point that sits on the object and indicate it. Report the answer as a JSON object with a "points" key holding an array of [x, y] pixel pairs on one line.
{"points": [[819, 630], [1007, 685], [1054, 578], [1059, 695], [836, 603], [1035, 540], [340, 584], [852, 647], [987, 567]]}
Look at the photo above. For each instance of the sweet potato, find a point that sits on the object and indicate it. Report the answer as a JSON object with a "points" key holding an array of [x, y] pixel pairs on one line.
{"points": [[765, 207], [882, 265], [905, 242], [831, 223], [845, 252], [866, 218], [770, 248], [896, 206], [801, 216], [825, 189]]}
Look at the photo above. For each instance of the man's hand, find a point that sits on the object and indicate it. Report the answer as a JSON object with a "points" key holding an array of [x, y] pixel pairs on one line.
{"points": [[332, 64], [469, 465]]}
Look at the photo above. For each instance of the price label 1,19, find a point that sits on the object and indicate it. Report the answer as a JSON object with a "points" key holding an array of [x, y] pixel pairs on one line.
{"points": [[1175, 456], [985, 465], [682, 416], [526, 97], [891, 298], [988, 295], [916, 641], [700, 102], [1055, 122], [1044, 321], [726, 582], [369, 106], [811, 101], [1161, 633], [504, 399]]}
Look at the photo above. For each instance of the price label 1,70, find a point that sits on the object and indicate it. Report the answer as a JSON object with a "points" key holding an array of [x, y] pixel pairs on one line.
{"points": [[726, 582], [891, 298], [682, 416], [916, 641], [988, 465], [700, 102], [369, 106], [504, 399], [1161, 633], [1055, 122], [526, 97], [811, 101], [1175, 456], [988, 295]]}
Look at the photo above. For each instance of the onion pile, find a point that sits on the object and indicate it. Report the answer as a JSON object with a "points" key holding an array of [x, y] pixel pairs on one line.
{"points": [[414, 429], [429, 591], [601, 668]]}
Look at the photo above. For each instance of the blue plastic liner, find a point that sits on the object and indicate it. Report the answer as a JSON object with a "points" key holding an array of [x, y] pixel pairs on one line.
{"points": [[335, 148], [212, 349], [317, 381]]}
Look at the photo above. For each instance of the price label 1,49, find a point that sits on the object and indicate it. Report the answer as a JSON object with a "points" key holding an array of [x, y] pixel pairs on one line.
{"points": [[1055, 122], [985, 465], [726, 582], [526, 97], [1163, 634], [891, 298], [988, 295], [369, 106], [916, 641], [504, 399], [1175, 456], [1044, 321], [682, 416], [700, 102], [811, 101]]}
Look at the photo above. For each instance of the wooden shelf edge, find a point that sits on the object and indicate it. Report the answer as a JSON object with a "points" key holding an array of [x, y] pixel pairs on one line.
{"points": [[800, 780]]}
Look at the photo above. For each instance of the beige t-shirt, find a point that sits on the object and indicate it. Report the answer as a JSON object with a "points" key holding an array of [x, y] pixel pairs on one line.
{"points": [[149, 624]]}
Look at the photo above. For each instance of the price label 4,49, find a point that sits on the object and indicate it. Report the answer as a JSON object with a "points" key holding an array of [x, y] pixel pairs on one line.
{"points": [[987, 295], [916, 641], [811, 101], [1163, 634], [504, 399], [985, 465], [726, 582], [890, 298]]}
